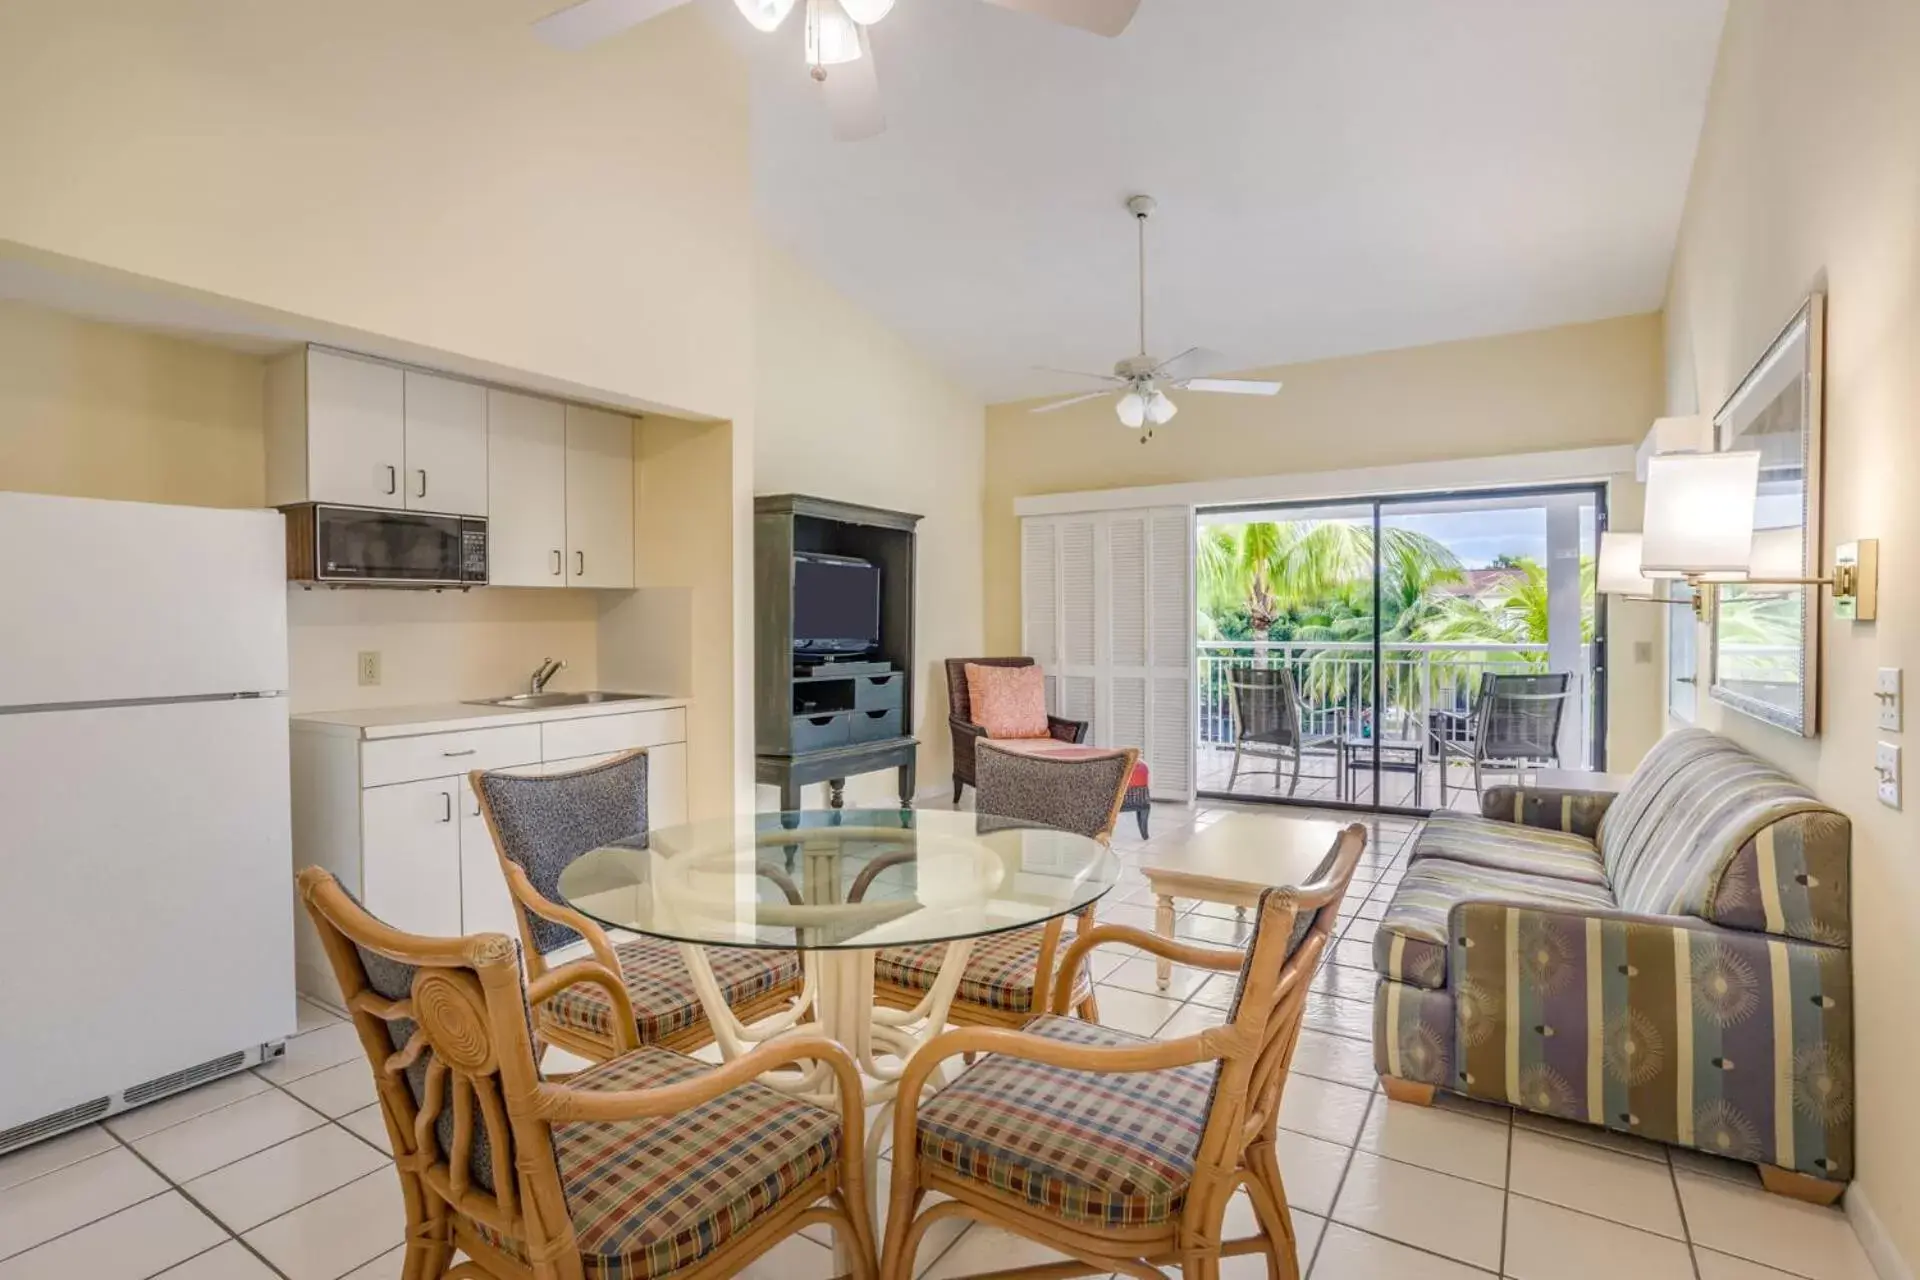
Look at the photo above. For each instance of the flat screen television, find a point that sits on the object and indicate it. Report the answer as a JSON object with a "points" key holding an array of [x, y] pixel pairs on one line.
{"points": [[836, 604]]}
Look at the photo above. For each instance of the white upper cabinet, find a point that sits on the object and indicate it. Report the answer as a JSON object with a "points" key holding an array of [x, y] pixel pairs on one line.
{"points": [[362, 433], [526, 491], [599, 498], [446, 442], [352, 432]]}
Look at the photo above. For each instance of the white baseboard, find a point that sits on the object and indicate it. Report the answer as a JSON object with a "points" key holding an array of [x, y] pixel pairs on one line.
{"points": [[1886, 1259]]}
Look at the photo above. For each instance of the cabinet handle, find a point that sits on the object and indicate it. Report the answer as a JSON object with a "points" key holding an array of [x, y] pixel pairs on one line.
{"points": [[393, 480], [451, 754], [579, 564], [446, 801], [556, 562], [423, 482]]}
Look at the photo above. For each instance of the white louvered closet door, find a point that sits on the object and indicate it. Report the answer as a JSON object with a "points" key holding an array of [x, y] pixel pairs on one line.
{"points": [[1107, 609]]}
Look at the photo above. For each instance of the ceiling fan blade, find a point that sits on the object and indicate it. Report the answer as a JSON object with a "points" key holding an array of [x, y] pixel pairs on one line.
{"points": [[1079, 373], [1233, 386], [852, 91], [1102, 17], [1061, 404], [592, 21]]}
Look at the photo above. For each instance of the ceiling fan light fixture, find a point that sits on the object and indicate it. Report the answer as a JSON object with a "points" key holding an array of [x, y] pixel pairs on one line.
{"points": [[765, 15], [832, 37], [1160, 409], [1132, 409], [867, 12]]}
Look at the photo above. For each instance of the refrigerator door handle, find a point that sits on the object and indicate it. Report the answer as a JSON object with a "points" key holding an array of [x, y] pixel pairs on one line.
{"points": [[446, 806]]}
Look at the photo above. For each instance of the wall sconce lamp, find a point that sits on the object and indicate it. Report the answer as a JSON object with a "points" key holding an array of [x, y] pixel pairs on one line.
{"points": [[1700, 518]]}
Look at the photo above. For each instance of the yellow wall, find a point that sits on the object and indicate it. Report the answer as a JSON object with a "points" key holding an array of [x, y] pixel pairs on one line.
{"points": [[104, 412], [1809, 177], [426, 171], [845, 409], [1564, 388]]}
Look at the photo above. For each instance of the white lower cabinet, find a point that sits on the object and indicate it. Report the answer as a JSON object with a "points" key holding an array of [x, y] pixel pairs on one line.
{"points": [[418, 853], [414, 883], [485, 904]]}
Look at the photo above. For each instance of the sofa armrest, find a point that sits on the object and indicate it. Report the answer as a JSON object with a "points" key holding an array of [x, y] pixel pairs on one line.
{"points": [[1066, 730], [1548, 808], [1665, 1026]]}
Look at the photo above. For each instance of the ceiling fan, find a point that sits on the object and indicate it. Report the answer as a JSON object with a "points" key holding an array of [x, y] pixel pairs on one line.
{"points": [[836, 40], [1141, 381]]}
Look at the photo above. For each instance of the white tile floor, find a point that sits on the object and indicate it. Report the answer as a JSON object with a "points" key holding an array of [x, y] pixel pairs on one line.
{"points": [[282, 1172]]}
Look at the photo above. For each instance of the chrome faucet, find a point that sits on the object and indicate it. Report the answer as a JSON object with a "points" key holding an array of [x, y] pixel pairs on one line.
{"points": [[537, 682]]}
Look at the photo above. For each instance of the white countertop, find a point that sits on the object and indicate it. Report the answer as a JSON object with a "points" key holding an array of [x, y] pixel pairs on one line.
{"points": [[447, 717]]}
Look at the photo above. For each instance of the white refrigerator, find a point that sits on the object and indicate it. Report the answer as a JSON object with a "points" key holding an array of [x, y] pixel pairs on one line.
{"points": [[147, 942]]}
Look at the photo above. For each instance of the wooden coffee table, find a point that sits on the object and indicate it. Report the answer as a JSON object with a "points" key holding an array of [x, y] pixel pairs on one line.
{"points": [[1232, 861]]}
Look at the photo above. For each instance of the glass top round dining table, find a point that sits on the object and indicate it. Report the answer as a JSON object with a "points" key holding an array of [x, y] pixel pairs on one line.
{"points": [[839, 879]]}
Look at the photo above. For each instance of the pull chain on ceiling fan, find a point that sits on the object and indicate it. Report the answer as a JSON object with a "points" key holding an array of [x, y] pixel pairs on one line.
{"points": [[1144, 401]]}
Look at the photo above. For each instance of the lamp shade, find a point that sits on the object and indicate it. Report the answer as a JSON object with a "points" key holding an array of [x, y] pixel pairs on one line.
{"points": [[1618, 572], [765, 15], [867, 12], [1700, 513], [1132, 408]]}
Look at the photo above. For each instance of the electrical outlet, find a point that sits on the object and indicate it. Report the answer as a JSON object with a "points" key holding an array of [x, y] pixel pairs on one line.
{"points": [[1886, 764], [1886, 691], [369, 666]]}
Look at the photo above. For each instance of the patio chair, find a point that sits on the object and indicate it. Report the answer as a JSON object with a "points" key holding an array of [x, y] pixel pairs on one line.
{"points": [[1514, 724], [646, 1165], [1268, 723], [1009, 974], [1118, 1150], [539, 826]]}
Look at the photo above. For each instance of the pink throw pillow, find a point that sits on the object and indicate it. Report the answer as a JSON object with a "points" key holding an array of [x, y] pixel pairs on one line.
{"points": [[1008, 702]]}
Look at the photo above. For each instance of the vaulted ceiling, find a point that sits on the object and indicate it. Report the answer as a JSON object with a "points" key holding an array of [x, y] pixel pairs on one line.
{"points": [[1334, 176]]}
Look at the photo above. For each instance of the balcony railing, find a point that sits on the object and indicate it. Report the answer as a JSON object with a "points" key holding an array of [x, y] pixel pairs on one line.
{"points": [[1335, 680]]}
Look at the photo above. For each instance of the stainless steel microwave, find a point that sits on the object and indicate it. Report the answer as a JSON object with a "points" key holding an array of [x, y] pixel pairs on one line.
{"points": [[371, 546]]}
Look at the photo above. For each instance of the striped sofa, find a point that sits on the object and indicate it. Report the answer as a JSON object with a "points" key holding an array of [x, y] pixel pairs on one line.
{"points": [[1669, 961]]}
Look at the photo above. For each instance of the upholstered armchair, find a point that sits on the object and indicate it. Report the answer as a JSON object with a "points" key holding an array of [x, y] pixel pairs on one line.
{"points": [[966, 732], [649, 1164], [540, 825]]}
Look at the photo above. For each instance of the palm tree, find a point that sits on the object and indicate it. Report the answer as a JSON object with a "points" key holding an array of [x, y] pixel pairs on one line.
{"points": [[1276, 568]]}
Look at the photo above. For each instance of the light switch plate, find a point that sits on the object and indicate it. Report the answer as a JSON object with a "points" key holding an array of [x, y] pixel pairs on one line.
{"points": [[1886, 764], [1886, 691]]}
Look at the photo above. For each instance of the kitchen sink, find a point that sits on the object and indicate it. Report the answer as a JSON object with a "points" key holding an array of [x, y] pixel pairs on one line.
{"points": [[535, 701]]}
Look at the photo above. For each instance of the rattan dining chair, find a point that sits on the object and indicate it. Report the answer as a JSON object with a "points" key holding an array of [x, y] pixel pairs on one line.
{"points": [[540, 825], [646, 1165], [1009, 974], [1515, 723], [1118, 1150]]}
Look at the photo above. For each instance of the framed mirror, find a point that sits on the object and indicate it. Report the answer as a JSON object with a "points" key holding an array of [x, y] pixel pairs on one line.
{"points": [[1765, 659]]}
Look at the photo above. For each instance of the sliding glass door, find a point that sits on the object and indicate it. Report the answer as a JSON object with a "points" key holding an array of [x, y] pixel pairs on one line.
{"points": [[1344, 651]]}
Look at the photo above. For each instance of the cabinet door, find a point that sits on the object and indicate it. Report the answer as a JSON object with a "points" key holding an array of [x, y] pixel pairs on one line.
{"points": [[446, 445], [410, 851], [599, 498], [666, 785], [485, 904], [356, 431], [526, 491]]}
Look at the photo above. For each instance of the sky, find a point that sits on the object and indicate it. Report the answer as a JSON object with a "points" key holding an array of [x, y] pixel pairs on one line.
{"points": [[1478, 538]]}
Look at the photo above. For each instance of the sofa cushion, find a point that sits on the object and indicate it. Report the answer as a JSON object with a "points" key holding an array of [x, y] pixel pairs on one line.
{"points": [[1792, 878], [1691, 805], [1411, 944], [1507, 846]]}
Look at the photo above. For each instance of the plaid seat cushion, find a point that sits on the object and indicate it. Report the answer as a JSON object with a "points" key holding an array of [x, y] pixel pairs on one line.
{"points": [[1411, 944], [649, 1197], [661, 989], [1094, 1147], [1509, 846], [999, 974]]}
